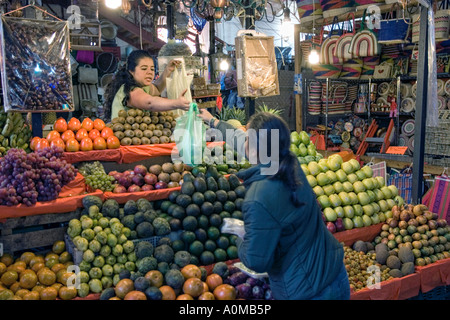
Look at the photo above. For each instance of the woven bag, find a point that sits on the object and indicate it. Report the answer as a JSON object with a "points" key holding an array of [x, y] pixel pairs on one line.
{"points": [[342, 48], [364, 42]]}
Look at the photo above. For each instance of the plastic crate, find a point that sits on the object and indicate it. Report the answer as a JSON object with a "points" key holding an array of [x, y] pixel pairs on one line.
{"points": [[438, 293]]}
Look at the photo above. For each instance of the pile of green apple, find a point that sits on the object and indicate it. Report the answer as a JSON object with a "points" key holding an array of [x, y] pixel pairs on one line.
{"points": [[349, 195], [303, 148]]}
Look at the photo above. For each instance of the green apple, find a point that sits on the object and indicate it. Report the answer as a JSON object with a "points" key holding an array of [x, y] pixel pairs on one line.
{"points": [[314, 168], [358, 222], [347, 167], [338, 187], [368, 210], [394, 190], [363, 198], [368, 183], [358, 209], [353, 197], [328, 190], [352, 178], [360, 174], [388, 214], [324, 201], [335, 200], [375, 183], [367, 171], [379, 195], [330, 214], [332, 176], [381, 182], [359, 187], [399, 200], [371, 195], [391, 203], [345, 198], [311, 180], [318, 190], [339, 211], [383, 205], [381, 216], [348, 223], [322, 179], [348, 186], [355, 164], [341, 175], [375, 219], [387, 192], [349, 212], [305, 169], [367, 221], [376, 207]]}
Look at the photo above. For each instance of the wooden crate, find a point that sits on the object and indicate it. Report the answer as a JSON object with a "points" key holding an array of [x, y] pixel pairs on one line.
{"points": [[25, 233]]}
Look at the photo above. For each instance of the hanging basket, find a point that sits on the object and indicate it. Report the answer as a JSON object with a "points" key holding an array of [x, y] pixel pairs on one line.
{"points": [[331, 8], [308, 10]]}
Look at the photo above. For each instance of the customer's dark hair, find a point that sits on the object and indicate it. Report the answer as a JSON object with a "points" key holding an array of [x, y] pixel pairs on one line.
{"points": [[288, 166], [123, 77]]}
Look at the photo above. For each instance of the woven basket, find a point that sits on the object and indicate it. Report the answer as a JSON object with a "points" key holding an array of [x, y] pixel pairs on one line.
{"points": [[332, 8], [323, 71], [309, 10], [352, 69]]}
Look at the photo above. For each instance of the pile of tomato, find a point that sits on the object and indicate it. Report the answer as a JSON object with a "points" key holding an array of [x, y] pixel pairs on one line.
{"points": [[76, 135]]}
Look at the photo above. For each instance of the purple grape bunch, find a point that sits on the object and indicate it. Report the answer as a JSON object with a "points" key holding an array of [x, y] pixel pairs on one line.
{"points": [[36, 176]]}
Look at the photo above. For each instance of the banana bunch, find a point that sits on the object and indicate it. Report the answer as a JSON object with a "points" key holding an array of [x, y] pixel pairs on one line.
{"points": [[15, 133]]}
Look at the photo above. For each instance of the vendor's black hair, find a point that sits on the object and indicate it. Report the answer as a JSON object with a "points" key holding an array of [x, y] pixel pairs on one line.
{"points": [[288, 166], [123, 77]]}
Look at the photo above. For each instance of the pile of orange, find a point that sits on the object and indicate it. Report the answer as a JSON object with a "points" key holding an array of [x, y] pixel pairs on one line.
{"points": [[37, 277], [76, 135]]}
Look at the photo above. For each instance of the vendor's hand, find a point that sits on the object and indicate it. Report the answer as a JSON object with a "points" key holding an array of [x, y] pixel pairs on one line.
{"points": [[172, 65], [205, 115]]}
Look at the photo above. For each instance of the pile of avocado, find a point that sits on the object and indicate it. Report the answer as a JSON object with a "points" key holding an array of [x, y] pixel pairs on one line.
{"points": [[197, 211]]}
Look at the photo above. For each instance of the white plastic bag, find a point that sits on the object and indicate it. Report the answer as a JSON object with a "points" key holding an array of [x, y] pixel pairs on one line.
{"points": [[233, 226], [177, 83]]}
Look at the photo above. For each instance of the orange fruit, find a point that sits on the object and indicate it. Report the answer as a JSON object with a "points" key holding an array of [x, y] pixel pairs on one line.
{"points": [[193, 287], [34, 142], [60, 125], [17, 267], [66, 293], [7, 259], [21, 292], [9, 277], [94, 133], [113, 142], [225, 292], [49, 293], [207, 296], [38, 288], [57, 285], [66, 135], [47, 277], [2, 268], [52, 135], [51, 255], [32, 295], [213, 280], [86, 144], [184, 296], [58, 266], [81, 134], [99, 143], [155, 277], [15, 287], [58, 142], [36, 259], [99, 124], [106, 133], [41, 144], [6, 294], [38, 266], [74, 124], [26, 257], [135, 295], [72, 145], [28, 279], [167, 293], [191, 271], [87, 124]]}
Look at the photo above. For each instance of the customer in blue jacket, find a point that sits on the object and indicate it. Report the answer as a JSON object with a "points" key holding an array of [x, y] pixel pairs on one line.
{"points": [[285, 235]]}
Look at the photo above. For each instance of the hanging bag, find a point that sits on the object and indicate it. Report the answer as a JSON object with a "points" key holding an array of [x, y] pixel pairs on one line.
{"points": [[189, 136], [87, 74], [176, 84], [383, 70], [442, 21], [328, 45], [364, 42], [342, 47], [393, 31], [440, 197], [326, 70]]}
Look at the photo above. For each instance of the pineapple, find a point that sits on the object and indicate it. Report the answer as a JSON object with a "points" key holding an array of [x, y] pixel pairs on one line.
{"points": [[234, 116], [265, 108]]}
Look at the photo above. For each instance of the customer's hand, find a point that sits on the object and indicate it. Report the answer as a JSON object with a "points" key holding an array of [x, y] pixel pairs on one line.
{"points": [[205, 115]]}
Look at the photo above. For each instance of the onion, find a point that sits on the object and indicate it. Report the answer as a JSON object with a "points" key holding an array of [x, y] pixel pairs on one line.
{"points": [[150, 178], [125, 181], [147, 187], [119, 189], [138, 179], [160, 185], [140, 169], [331, 227], [134, 188]]}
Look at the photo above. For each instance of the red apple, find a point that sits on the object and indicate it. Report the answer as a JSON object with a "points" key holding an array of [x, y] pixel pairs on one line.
{"points": [[147, 187], [150, 178], [119, 189]]}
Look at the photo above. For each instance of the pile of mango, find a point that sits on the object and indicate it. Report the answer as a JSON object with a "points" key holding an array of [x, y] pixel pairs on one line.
{"points": [[15, 133]]}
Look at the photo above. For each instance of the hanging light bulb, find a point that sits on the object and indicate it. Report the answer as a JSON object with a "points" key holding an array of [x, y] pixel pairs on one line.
{"points": [[113, 4], [313, 57], [126, 7], [224, 65]]}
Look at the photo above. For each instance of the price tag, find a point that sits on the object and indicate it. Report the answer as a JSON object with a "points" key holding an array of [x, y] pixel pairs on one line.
{"points": [[396, 150]]}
